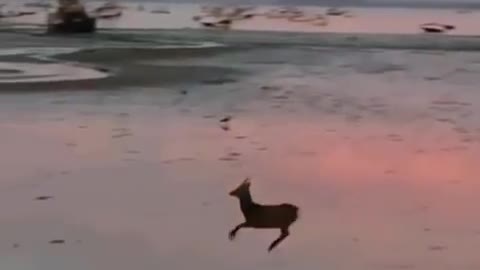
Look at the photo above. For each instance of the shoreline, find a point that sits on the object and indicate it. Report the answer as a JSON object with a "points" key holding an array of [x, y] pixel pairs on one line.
{"points": [[394, 20]]}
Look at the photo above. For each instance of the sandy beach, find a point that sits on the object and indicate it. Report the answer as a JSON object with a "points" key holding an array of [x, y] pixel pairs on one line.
{"points": [[114, 157]]}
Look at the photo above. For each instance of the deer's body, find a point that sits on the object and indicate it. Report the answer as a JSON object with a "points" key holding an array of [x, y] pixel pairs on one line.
{"points": [[260, 216]]}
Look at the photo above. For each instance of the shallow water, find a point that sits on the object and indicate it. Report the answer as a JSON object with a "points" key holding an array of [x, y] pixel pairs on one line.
{"points": [[377, 147]]}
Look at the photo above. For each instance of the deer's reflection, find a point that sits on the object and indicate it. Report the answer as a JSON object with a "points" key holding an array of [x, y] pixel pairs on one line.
{"points": [[263, 216]]}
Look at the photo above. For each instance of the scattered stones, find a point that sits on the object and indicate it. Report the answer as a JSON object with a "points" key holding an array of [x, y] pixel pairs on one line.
{"points": [[226, 119], [280, 97], [224, 122], [43, 198], [102, 69], [270, 88], [170, 161], [71, 144], [219, 81], [231, 156], [121, 135], [445, 120], [57, 241], [432, 78], [225, 126], [121, 129], [437, 248]]}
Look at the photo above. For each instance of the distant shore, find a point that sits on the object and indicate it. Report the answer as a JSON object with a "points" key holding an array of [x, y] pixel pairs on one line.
{"points": [[378, 19]]}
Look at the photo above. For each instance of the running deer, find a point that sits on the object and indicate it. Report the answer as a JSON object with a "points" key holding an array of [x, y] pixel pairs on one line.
{"points": [[263, 216]]}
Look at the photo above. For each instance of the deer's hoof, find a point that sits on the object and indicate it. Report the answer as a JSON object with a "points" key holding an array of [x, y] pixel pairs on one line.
{"points": [[231, 236]]}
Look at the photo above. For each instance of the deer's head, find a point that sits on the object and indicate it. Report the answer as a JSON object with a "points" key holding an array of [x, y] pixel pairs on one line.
{"points": [[243, 188]]}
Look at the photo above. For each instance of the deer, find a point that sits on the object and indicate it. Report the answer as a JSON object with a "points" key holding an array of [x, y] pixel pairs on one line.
{"points": [[260, 216]]}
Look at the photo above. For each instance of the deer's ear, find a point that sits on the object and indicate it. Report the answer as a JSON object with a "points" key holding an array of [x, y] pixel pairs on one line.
{"points": [[246, 181]]}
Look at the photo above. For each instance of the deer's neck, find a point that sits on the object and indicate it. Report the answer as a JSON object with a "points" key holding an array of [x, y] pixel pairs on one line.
{"points": [[246, 203]]}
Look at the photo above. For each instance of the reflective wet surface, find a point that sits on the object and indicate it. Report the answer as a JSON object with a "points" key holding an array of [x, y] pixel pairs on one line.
{"points": [[378, 148]]}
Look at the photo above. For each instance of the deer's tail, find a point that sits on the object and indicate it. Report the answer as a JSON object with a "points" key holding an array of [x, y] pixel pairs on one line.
{"points": [[295, 213]]}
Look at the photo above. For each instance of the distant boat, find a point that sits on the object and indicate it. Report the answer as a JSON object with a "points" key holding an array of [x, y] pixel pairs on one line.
{"points": [[336, 12], [283, 13], [436, 27], [213, 22], [70, 17]]}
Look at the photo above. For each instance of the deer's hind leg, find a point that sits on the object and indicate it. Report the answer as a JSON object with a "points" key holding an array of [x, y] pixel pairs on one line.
{"points": [[283, 235]]}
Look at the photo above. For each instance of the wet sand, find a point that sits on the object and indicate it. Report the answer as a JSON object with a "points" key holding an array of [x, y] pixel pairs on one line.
{"points": [[377, 147]]}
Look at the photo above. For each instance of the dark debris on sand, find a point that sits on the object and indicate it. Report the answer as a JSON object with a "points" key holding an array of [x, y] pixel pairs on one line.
{"points": [[225, 122], [436, 248], [226, 119], [57, 241], [43, 198], [219, 81]]}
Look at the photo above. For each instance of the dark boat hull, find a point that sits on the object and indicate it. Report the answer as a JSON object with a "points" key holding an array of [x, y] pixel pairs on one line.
{"points": [[73, 24]]}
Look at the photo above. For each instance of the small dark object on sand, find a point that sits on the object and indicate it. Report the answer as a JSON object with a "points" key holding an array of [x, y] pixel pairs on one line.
{"points": [[226, 119], [16, 245], [256, 215], [436, 248], [57, 241], [449, 27], [102, 69], [43, 198], [184, 92], [225, 22], [218, 81], [225, 127]]}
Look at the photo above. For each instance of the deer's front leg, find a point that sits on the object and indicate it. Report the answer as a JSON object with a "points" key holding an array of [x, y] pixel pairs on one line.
{"points": [[233, 232]]}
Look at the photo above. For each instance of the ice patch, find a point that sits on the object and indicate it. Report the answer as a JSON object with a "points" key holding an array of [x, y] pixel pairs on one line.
{"points": [[30, 72]]}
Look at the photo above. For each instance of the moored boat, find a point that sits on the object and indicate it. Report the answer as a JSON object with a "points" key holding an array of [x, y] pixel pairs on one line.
{"points": [[70, 17]]}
